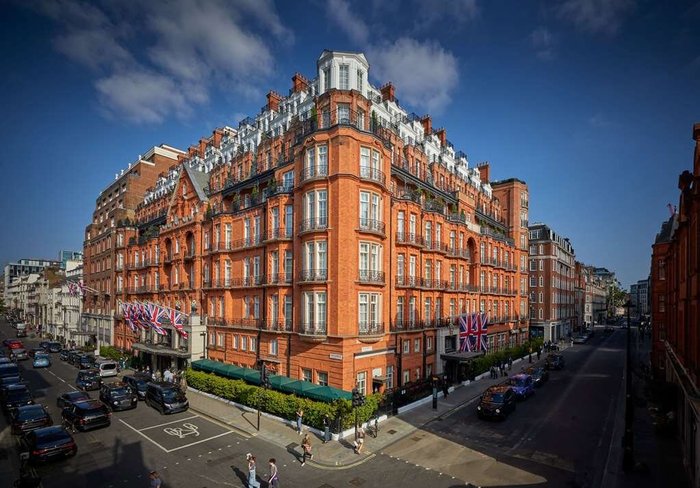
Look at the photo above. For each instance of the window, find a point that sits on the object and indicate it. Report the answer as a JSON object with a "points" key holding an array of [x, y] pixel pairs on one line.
{"points": [[288, 266], [315, 260], [322, 378], [399, 311], [428, 343], [344, 77], [389, 377], [369, 310], [220, 340], [416, 345], [370, 210], [412, 311], [541, 264], [540, 313], [406, 377], [288, 220], [343, 113], [370, 259], [288, 180], [662, 303], [406, 346], [326, 79], [541, 281], [235, 342], [253, 344], [316, 209], [287, 311], [244, 343], [533, 265], [400, 221], [212, 338], [315, 311], [417, 374], [306, 374], [362, 382], [427, 310], [360, 80]]}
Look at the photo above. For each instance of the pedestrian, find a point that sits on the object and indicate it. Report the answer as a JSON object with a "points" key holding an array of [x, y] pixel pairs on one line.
{"points": [[360, 442], [306, 448], [155, 479], [445, 387], [539, 353], [300, 416], [326, 428], [252, 478], [510, 363], [273, 479], [492, 370], [530, 356]]}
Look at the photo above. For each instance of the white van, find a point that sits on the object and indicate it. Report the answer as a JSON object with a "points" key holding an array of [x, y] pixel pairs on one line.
{"points": [[107, 368]]}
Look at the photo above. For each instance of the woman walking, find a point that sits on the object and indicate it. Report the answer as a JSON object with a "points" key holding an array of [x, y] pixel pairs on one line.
{"points": [[300, 417], [252, 481], [306, 448], [273, 481]]}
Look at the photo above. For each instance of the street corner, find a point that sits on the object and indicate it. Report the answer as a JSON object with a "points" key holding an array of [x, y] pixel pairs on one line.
{"points": [[180, 433]]}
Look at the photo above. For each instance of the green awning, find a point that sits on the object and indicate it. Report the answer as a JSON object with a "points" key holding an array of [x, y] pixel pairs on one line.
{"points": [[251, 376], [276, 381], [328, 394], [299, 387]]}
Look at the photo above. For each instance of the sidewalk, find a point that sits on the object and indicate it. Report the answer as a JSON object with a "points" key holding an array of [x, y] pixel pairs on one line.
{"points": [[339, 453]]}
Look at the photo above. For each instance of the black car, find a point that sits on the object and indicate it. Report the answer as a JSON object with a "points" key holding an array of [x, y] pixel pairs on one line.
{"points": [[496, 402], [138, 383], [539, 375], [85, 362], [73, 357], [14, 396], [54, 347], [63, 354], [554, 361], [9, 380], [30, 417], [47, 444], [88, 379], [118, 396], [71, 397], [87, 415], [44, 345], [166, 398], [9, 369]]}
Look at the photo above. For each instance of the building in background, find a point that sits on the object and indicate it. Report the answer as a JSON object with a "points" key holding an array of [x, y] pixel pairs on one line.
{"points": [[552, 283], [591, 297], [639, 295], [25, 267], [334, 237], [115, 204], [675, 310], [65, 256]]}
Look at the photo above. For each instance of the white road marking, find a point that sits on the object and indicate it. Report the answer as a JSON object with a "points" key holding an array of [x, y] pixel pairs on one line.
{"points": [[199, 442], [168, 423], [144, 435]]}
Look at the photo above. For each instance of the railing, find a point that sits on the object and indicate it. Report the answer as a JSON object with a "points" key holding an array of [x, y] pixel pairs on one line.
{"points": [[433, 283], [168, 258], [278, 324], [372, 225], [142, 289], [221, 246], [373, 174], [313, 172], [279, 233], [433, 206], [189, 254], [313, 328], [307, 225], [278, 188], [279, 278], [459, 253], [252, 280], [434, 245], [371, 328], [310, 275], [407, 281], [408, 238], [250, 241], [370, 276], [326, 120], [119, 267]]}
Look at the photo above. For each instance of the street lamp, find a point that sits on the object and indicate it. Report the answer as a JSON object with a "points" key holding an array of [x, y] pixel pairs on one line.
{"points": [[628, 438]]}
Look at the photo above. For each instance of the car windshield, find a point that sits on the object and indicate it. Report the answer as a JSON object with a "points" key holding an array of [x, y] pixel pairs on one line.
{"points": [[75, 396], [124, 390], [19, 350], [52, 435], [9, 370], [93, 408], [17, 394], [171, 396], [493, 397], [31, 413], [518, 381], [141, 384], [89, 376], [41, 355], [85, 360]]}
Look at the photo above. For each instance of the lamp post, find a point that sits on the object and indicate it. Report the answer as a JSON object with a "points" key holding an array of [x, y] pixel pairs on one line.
{"points": [[628, 438]]}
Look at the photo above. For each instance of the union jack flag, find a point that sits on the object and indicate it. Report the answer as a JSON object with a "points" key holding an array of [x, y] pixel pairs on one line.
{"points": [[176, 319], [151, 314], [477, 337], [72, 288], [127, 316], [465, 325]]}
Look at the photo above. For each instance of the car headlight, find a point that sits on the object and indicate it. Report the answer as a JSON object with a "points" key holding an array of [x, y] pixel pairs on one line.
{"points": [[115, 403], [478, 407], [498, 410]]}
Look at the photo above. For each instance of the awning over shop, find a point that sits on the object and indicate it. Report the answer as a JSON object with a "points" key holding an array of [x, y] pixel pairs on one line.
{"points": [[461, 357]]}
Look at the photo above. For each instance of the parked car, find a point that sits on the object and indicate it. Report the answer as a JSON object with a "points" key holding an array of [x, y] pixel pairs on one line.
{"points": [[7, 342], [87, 415], [54, 347], [496, 402], [522, 385], [88, 379], [5, 360], [85, 362], [71, 397], [41, 360], [138, 383], [30, 417], [539, 375], [107, 367], [166, 398], [580, 339], [118, 396], [19, 354], [9, 369], [44, 345], [73, 356], [16, 395], [63, 354], [47, 444], [554, 361], [32, 352], [15, 344]]}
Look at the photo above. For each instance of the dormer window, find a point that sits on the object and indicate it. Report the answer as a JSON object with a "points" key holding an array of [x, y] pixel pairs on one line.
{"points": [[326, 79], [344, 78]]}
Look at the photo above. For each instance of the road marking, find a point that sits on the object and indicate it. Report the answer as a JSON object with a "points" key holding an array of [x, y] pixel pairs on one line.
{"points": [[168, 423], [199, 442], [144, 435], [182, 432]]}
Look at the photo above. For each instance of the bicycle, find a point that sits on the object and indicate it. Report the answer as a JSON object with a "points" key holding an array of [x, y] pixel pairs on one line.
{"points": [[373, 427]]}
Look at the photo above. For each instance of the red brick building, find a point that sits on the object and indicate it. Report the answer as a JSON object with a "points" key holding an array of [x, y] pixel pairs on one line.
{"points": [[675, 309], [334, 237]]}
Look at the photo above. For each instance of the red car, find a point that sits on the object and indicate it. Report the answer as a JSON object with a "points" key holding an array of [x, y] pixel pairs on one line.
{"points": [[15, 344]]}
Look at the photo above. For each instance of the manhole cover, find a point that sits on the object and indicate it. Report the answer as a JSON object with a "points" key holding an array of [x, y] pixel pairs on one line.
{"points": [[357, 481], [392, 431], [415, 439]]}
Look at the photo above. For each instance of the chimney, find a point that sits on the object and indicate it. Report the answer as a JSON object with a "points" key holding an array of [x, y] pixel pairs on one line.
{"points": [[696, 136], [442, 135], [273, 100], [427, 125], [484, 171], [299, 83], [388, 92]]}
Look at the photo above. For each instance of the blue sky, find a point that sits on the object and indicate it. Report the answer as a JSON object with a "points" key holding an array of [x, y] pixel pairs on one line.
{"points": [[591, 102]]}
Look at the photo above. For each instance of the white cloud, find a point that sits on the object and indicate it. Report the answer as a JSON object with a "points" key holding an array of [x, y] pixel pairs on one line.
{"points": [[355, 28], [424, 72], [597, 16], [543, 42], [181, 47]]}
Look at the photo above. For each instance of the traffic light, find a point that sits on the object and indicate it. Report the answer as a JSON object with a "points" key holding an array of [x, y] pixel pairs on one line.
{"points": [[358, 399], [264, 377]]}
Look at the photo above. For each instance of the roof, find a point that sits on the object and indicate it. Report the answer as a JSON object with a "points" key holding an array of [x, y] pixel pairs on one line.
{"points": [[667, 228], [199, 181]]}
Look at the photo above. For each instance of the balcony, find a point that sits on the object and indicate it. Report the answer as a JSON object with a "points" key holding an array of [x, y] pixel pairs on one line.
{"points": [[315, 172], [312, 225], [142, 289], [279, 233], [278, 325], [407, 281], [119, 267], [189, 254], [409, 238], [433, 284], [313, 331], [456, 252], [246, 281], [373, 174], [407, 324], [436, 246], [279, 279], [313, 275], [371, 225], [370, 332], [168, 259], [221, 246], [370, 276], [247, 242]]}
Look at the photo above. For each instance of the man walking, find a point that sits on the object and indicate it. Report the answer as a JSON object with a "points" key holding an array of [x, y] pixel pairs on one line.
{"points": [[273, 478], [445, 387]]}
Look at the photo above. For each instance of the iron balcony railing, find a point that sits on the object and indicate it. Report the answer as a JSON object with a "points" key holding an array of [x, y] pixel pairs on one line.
{"points": [[369, 328], [319, 223], [370, 276], [372, 225], [280, 233], [279, 278], [311, 275], [408, 238], [313, 328], [458, 253], [313, 172], [407, 281], [278, 324], [373, 174]]}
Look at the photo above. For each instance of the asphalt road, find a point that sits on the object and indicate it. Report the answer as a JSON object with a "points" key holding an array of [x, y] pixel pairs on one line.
{"points": [[187, 450]]}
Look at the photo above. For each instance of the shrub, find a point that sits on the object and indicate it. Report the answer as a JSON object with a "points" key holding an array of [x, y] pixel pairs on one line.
{"points": [[282, 404], [111, 352]]}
